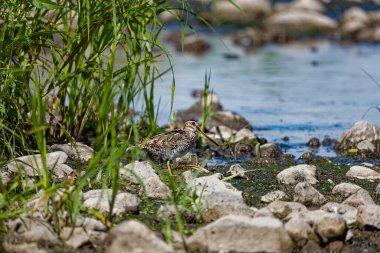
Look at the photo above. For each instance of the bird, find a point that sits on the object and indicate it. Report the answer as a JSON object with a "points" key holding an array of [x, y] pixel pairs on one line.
{"points": [[176, 143]]}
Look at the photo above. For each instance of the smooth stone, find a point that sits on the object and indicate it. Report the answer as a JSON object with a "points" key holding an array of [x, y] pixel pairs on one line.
{"points": [[361, 197], [134, 237], [32, 230], [74, 237], [348, 213], [77, 151], [31, 165], [273, 196], [100, 200], [300, 231], [307, 194], [238, 170], [362, 172], [345, 189], [282, 209], [369, 216], [298, 173], [231, 120], [210, 184], [22, 248], [308, 5], [270, 150], [235, 233], [143, 173]]}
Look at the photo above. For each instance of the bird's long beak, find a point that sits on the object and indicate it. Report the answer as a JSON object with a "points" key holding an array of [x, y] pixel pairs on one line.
{"points": [[205, 135]]}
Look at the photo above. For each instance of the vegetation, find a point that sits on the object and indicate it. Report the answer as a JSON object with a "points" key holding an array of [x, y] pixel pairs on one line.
{"points": [[73, 71]]}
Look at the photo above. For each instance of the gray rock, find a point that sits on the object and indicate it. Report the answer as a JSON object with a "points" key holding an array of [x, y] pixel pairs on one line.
{"points": [[90, 224], [32, 230], [273, 196], [100, 200], [369, 216], [328, 226], [62, 171], [362, 172], [221, 133], [298, 173], [74, 237], [143, 174], [31, 165], [77, 151], [97, 238], [270, 150], [300, 231], [243, 134], [235, 233], [168, 213], [219, 198], [307, 194], [282, 209], [229, 119], [154, 188], [366, 146], [188, 159], [22, 248], [308, 5], [353, 20], [313, 143], [362, 130], [377, 191], [348, 213], [264, 212], [218, 204], [238, 170], [253, 10], [134, 237], [345, 189], [361, 197], [5, 178]]}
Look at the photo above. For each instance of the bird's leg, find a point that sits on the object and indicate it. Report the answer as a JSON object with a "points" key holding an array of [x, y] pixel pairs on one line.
{"points": [[169, 168]]}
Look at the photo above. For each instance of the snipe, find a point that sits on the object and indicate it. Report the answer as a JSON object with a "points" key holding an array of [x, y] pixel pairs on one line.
{"points": [[175, 143]]}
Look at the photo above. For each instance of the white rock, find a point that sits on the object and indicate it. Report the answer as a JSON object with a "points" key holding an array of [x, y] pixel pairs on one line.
{"points": [[62, 171], [32, 165], [100, 200], [134, 237], [345, 189], [273, 196], [77, 151], [74, 237], [22, 248], [282, 209], [377, 191], [308, 5], [298, 173], [238, 170], [300, 231], [307, 194], [154, 188], [369, 216], [359, 198], [330, 227], [353, 20], [362, 172], [235, 233], [348, 213]]}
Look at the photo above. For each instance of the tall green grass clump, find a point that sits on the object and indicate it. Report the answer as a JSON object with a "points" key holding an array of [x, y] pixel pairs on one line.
{"points": [[71, 70]]}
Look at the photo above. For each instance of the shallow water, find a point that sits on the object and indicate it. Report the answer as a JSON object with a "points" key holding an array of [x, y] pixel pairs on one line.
{"points": [[299, 90]]}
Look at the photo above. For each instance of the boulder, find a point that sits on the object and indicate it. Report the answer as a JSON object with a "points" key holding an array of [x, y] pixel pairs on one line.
{"points": [[293, 22], [229, 119], [31, 165], [362, 172], [223, 10], [298, 173], [143, 174], [234, 233], [369, 216], [282, 209], [134, 237], [76, 151], [273, 196], [361, 197], [307, 194], [361, 131], [348, 213], [100, 200], [345, 189]]}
